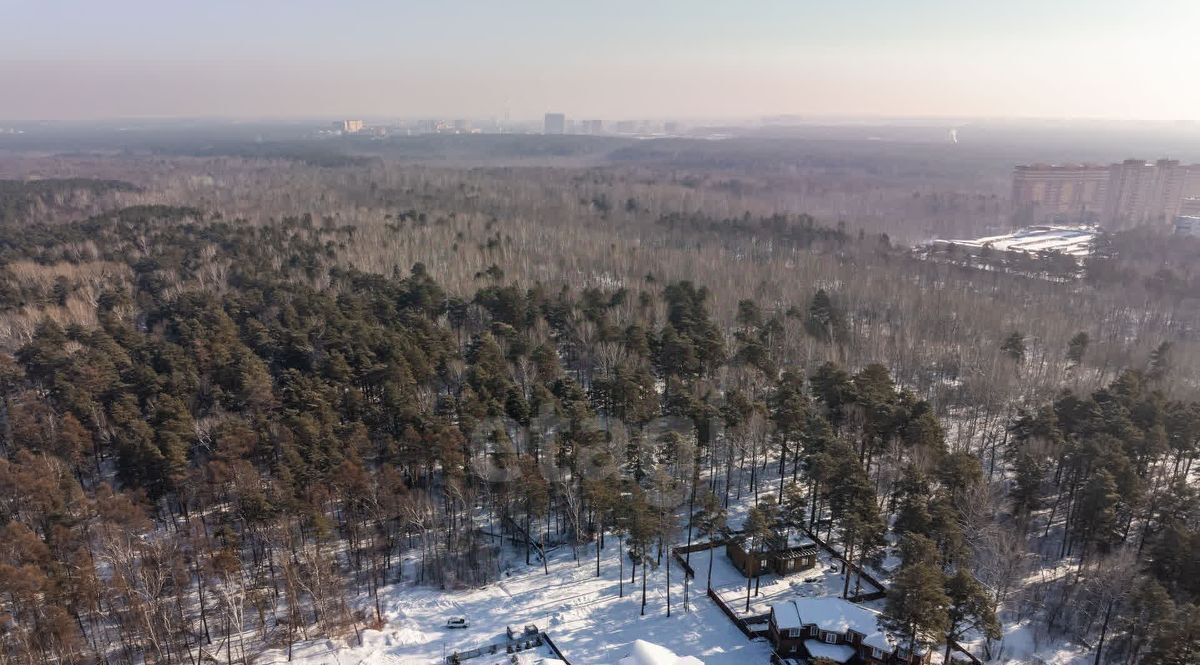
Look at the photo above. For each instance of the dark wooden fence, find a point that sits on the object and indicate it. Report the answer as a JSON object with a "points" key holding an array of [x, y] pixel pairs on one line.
{"points": [[679, 552], [687, 569], [741, 625], [504, 648], [554, 647], [519, 530], [699, 547], [865, 597]]}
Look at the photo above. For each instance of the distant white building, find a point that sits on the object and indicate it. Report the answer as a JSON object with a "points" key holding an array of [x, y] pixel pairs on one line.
{"points": [[642, 652]]}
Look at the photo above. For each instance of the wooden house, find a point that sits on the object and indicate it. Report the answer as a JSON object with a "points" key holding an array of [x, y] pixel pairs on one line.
{"points": [[782, 554]]}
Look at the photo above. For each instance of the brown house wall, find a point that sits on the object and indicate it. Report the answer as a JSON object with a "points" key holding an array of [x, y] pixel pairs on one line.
{"points": [[752, 564], [749, 563], [784, 645]]}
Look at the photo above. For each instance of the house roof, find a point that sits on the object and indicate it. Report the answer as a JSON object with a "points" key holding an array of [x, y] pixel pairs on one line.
{"points": [[836, 652], [833, 615], [798, 552], [786, 615], [776, 542], [796, 539]]}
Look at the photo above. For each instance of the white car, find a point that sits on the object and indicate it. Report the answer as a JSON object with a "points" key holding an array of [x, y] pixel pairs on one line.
{"points": [[458, 622]]}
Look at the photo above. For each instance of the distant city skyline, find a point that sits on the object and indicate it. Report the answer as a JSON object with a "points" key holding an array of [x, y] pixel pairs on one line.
{"points": [[78, 60]]}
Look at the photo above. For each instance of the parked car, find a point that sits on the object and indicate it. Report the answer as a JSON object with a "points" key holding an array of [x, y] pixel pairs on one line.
{"points": [[458, 622]]}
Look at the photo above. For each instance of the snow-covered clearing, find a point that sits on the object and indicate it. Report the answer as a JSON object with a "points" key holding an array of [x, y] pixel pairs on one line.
{"points": [[588, 620], [1021, 644], [583, 614], [825, 579]]}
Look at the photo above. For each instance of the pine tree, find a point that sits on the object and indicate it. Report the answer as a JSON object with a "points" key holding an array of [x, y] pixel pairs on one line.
{"points": [[793, 510], [749, 315], [1160, 362], [824, 321], [913, 515], [1077, 347], [1095, 523], [759, 529], [917, 604], [1176, 640], [1014, 346], [971, 608], [832, 386]]}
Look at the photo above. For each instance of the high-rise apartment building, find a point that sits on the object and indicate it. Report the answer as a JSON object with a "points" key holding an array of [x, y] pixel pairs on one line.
{"points": [[1140, 192], [1067, 192], [1191, 183], [1131, 193], [555, 123], [348, 126]]}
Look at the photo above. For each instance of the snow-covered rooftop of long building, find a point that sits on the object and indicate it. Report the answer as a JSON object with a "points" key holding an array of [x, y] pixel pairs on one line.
{"points": [[1070, 240], [833, 615], [642, 652]]}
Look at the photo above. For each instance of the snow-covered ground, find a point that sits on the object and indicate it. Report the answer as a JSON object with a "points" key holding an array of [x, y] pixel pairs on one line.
{"points": [[587, 619], [591, 623], [1022, 645], [583, 614]]}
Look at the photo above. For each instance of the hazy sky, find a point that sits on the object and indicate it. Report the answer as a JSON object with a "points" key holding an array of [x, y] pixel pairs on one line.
{"points": [[79, 59]]}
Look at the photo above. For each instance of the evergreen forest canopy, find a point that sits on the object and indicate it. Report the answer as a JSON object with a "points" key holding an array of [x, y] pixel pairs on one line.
{"points": [[18, 198], [221, 431]]}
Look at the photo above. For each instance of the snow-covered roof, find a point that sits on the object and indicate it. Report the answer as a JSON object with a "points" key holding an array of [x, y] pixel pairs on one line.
{"points": [[1070, 240], [642, 652], [786, 615], [775, 542], [836, 652], [797, 539], [833, 615]]}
